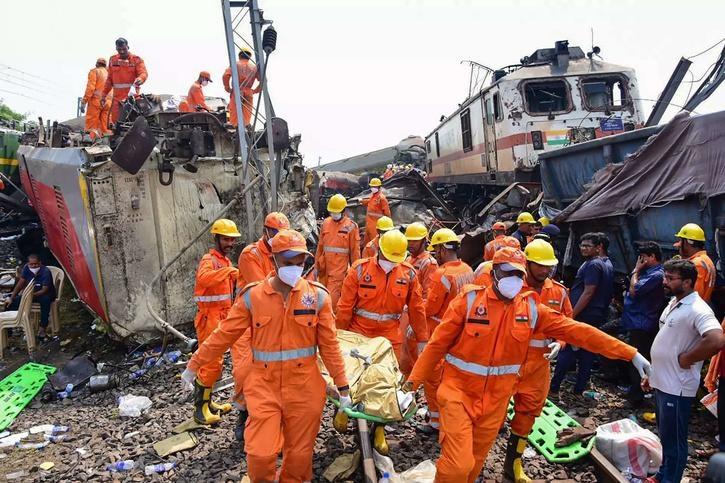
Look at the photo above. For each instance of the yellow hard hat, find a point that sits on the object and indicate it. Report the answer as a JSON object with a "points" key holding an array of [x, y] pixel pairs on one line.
{"points": [[416, 231], [525, 217], [225, 227], [691, 231], [544, 220], [375, 183], [444, 235], [394, 246], [246, 50], [336, 204], [541, 252], [384, 223]]}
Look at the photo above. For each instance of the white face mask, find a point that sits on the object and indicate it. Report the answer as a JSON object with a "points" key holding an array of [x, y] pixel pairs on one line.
{"points": [[374, 190], [336, 216], [35, 270], [205, 83], [386, 265], [510, 286], [290, 275]]}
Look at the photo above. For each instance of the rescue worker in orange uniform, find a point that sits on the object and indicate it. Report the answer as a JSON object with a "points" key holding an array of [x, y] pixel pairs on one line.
{"points": [[484, 338], [499, 233], [213, 294], [377, 289], [289, 319], [338, 247], [425, 264], [482, 274], [691, 245], [383, 225], [446, 282], [248, 74], [377, 206], [124, 71], [255, 264], [195, 100], [533, 386], [388, 172], [97, 111]]}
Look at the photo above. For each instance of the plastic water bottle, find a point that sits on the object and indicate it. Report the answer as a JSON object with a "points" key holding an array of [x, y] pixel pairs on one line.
{"points": [[385, 478], [136, 374], [594, 395], [69, 388], [124, 465], [54, 438], [172, 356], [160, 468]]}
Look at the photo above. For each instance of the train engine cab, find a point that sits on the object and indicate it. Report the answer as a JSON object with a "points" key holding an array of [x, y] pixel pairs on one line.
{"points": [[554, 98]]}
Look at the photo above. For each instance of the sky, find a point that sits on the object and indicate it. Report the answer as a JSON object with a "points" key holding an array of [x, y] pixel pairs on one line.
{"points": [[350, 76]]}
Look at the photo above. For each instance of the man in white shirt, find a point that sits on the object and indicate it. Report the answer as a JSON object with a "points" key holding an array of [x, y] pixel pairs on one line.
{"points": [[689, 334]]}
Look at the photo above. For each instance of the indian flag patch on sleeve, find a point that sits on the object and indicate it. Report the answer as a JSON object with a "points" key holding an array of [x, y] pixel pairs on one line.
{"points": [[557, 138]]}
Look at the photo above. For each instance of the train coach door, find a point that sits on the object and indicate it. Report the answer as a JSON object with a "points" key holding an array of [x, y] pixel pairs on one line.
{"points": [[488, 159]]}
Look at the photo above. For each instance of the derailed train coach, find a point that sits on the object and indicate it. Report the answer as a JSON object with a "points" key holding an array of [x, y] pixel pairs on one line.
{"points": [[553, 98]]}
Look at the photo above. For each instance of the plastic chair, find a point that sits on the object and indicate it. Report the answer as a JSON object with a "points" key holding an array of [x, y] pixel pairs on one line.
{"points": [[58, 279], [11, 319]]}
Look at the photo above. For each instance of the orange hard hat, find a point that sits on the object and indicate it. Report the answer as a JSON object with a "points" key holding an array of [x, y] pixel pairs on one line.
{"points": [[509, 241], [276, 221], [101, 60], [289, 243], [498, 226], [511, 256], [205, 75]]}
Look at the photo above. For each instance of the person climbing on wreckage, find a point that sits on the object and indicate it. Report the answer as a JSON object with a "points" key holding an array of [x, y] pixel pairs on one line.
{"points": [[483, 339]]}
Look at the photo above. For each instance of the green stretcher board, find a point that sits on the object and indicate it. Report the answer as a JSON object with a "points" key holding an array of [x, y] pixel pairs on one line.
{"points": [[19, 388], [543, 434], [374, 419]]}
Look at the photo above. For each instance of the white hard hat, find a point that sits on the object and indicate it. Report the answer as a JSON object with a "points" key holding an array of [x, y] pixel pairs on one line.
{"points": [[390, 166]]}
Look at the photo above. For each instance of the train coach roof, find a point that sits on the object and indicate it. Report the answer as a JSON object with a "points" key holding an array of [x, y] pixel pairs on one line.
{"points": [[575, 67]]}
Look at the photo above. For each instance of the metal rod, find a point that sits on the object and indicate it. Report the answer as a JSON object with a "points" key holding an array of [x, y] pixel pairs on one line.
{"points": [[663, 101]]}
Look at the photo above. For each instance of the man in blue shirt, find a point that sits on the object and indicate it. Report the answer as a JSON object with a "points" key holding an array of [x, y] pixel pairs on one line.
{"points": [[643, 304], [43, 292], [590, 295]]}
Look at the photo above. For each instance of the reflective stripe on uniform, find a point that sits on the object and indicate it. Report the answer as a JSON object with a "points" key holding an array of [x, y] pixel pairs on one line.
{"points": [[375, 213], [533, 313], [212, 298], [437, 319], [538, 343], [470, 298], [481, 370], [336, 250], [359, 270], [446, 283], [122, 86], [374, 316], [248, 299], [281, 356]]}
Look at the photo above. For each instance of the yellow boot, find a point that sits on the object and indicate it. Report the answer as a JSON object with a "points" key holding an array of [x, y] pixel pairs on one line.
{"points": [[379, 441], [202, 412], [513, 467], [340, 421], [219, 408]]}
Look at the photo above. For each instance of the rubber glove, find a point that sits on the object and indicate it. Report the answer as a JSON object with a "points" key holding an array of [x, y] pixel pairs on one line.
{"points": [[187, 379], [642, 365], [345, 402], [554, 349]]}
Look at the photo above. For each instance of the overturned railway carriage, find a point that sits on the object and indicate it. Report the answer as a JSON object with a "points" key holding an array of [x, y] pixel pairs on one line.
{"points": [[554, 98]]}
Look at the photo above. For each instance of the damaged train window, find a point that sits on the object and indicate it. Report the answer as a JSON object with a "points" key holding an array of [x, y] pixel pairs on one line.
{"points": [[497, 112], [604, 93], [466, 131], [545, 97]]}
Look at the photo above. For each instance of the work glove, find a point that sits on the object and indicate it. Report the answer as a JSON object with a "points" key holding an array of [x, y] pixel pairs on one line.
{"points": [[642, 365], [187, 380], [554, 349], [421, 346], [345, 402]]}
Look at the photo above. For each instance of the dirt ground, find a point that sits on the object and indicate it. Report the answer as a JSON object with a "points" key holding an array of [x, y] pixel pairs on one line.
{"points": [[98, 436]]}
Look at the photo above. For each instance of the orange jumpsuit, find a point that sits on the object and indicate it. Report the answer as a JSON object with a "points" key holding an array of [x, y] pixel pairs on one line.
{"points": [[497, 243], [286, 392], [533, 386], [213, 292], [377, 206], [425, 264], [338, 248], [96, 114], [255, 264], [372, 302], [484, 342], [194, 99], [705, 274], [247, 75], [122, 73], [371, 248], [446, 282], [388, 173]]}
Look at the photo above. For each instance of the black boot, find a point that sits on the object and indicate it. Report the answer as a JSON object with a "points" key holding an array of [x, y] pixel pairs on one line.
{"points": [[241, 423], [513, 467], [202, 412]]}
